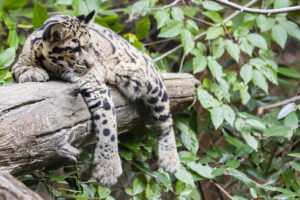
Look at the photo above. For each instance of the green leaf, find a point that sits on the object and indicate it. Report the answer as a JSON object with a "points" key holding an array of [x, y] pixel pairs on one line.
{"points": [[202, 170], [177, 13], [229, 114], [162, 17], [286, 110], [207, 100], [14, 4], [139, 184], [277, 131], [152, 190], [199, 64], [233, 164], [218, 48], [213, 15], [260, 80], [240, 176], [291, 121], [281, 4], [297, 155], [295, 165], [214, 67], [186, 156], [142, 28], [103, 192], [210, 5], [172, 29], [7, 57], [246, 47], [187, 39], [288, 72], [57, 178], [270, 74], [217, 116], [214, 32], [245, 96], [183, 175], [257, 40], [250, 140], [264, 23], [246, 73], [188, 136], [291, 28], [279, 35], [12, 39], [40, 15], [257, 125], [233, 50]]}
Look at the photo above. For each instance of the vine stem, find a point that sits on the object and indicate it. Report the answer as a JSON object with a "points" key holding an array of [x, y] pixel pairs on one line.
{"points": [[204, 33], [258, 11], [274, 105], [222, 189]]}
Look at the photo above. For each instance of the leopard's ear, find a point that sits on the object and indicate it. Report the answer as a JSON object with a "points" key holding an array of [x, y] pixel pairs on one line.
{"points": [[54, 32], [86, 18]]}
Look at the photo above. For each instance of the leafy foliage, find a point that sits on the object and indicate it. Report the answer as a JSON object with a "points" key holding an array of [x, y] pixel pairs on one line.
{"points": [[225, 144]]}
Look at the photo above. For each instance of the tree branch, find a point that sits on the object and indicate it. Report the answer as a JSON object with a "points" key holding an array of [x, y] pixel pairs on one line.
{"points": [[261, 109], [258, 11]]}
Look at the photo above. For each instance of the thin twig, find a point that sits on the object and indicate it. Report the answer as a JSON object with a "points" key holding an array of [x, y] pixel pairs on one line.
{"points": [[181, 63], [203, 33], [258, 11], [274, 105], [202, 21], [222, 189], [167, 6]]}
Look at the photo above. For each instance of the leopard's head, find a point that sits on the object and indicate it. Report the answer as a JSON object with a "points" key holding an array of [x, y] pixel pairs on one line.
{"points": [[66, 41]]}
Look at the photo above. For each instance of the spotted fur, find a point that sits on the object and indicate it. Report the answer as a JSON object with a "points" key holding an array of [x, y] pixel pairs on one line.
{"points": [[66, 48]]}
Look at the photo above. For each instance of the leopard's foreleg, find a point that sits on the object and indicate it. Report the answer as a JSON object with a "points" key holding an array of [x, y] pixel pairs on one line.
{"points": [[107, 164], [27, 73]]}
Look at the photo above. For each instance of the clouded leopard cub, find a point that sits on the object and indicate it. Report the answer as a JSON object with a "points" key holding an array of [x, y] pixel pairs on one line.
{"points": [[73, 49]]}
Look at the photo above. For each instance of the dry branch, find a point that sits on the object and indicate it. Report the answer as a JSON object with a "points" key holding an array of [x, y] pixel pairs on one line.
{"points": [[42, 124]]}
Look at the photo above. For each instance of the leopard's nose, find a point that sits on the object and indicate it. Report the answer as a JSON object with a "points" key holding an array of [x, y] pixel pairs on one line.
{"points": [[90, 65]]}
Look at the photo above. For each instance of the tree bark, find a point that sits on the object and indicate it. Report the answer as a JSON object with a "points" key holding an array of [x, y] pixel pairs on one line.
{"points": [[11, 188], [43, 124]]}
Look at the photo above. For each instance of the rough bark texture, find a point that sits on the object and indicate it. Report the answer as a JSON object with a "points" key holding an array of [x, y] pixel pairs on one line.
{"points": [[11, 188], [42, 124]]}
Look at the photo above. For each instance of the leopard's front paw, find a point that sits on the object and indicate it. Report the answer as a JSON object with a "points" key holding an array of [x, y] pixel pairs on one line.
{"points": [[169, 160], [34, 76], [106, 171]]}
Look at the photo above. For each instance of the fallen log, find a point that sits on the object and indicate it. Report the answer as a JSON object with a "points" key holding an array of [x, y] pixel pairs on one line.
{"points": [[42, 124], [11, 188]]}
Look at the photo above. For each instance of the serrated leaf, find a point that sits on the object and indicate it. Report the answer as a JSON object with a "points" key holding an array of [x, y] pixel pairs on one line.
{"points": [[210, 5], [162, 17], [246, 73], [277, 131], [172, 29], [264, 23], [229, 114], [250, 140], [177, 13], [257, 125], [246, 47], [187, 39], [279, 35], [202, 170], [214, 32], [291, 28], [260, 80], [40, 15], [233, 163], [217, 116], [7, 57], [139, 184], [233, 50], [245, 96], [103, 192], [199, 64], [218, 48], [188, 136], [286, 110], [142, 28], [257, 40], [214, 67], [206, 99], [270, 74], [183, 175]]}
